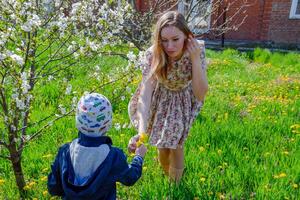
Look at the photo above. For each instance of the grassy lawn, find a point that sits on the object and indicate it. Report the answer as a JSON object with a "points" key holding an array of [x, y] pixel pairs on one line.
{"points": [[244, 144]]}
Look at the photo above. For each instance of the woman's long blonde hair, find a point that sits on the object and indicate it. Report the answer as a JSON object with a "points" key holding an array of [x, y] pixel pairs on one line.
{"points": [[160, 63]]}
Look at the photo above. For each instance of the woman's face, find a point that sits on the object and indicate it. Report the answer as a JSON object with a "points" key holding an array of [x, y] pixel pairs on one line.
{"points": [[172, 40]]}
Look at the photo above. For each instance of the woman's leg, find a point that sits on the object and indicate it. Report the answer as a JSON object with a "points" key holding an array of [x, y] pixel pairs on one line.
{"points": [[164, 159], [176, 164]]}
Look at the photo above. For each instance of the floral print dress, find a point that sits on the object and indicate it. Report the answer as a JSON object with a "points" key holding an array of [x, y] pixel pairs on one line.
{"points": [[173, 106]]}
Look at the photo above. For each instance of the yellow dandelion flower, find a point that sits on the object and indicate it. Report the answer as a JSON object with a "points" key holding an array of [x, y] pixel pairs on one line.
{"points": [[295, 185], [45, 169], [226, 116], [281, 175], [47, 155], [26, 187], [34, 198], [267, 154], [45, 193], [44, 178], [139, 143], [295, 126], [221, 196], [32, 183], [144, 137], [219, 151], [202, 179], [2, 181], [202, 149]]}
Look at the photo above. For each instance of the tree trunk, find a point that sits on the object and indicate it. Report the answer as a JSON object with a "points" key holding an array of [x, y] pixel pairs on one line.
{"points": [[15, 159]]}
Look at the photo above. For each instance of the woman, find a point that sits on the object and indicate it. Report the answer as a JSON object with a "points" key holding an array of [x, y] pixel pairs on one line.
{"points": [[171, 93]]}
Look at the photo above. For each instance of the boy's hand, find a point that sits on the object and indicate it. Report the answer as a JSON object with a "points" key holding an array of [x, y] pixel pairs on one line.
{"points": [[132, 145], [141, 150]]}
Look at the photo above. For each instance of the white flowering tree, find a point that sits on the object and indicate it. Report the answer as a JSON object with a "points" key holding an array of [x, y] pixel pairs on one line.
{"points": [[40, 40]]}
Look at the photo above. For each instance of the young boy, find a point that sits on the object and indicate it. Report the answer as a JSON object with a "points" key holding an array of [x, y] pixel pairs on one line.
{"points": [[89, 166]]}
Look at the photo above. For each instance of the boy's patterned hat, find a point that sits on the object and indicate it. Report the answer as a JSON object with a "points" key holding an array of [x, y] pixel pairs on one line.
{"points": [[93, 115]]}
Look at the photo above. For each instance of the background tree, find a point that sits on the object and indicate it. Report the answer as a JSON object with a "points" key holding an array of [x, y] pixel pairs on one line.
{"points": [[40, 40]]}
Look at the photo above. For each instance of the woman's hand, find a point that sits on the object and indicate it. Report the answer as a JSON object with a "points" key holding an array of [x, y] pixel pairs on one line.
{"points": [[132, 145], [194, 48]]}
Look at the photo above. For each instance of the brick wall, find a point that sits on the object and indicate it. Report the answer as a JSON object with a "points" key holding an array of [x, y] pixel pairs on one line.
{"points": [[282, 29], [267, 21], [255, 26]]}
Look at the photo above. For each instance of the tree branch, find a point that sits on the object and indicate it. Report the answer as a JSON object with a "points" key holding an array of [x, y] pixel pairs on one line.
{"points": [[36, 134], [57, 51], [27, 51], [3, 143], [5, 157]]}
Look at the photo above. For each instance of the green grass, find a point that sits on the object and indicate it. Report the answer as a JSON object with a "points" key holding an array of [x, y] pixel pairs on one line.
{"points": [[243, 145]]}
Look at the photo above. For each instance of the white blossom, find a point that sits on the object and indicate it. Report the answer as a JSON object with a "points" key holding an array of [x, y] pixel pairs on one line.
{"points": [[62, 109], [117, 126], [13, 128], [2, 56], [26, 27], [50, 77], [20, 104], [74, 102], [68, 89], [25, 85], [76, 55], [131, 56], [18, 59]]}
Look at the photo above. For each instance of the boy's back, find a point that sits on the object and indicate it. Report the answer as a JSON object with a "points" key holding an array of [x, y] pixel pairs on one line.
{"points": [[89, 166]]}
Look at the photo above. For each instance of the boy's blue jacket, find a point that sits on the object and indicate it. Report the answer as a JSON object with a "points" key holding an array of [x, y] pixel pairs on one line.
{"points": [[102, 183]]}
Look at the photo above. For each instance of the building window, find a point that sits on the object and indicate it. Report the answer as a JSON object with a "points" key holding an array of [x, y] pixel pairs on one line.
{"points": [[295, 10], [197, 14]]}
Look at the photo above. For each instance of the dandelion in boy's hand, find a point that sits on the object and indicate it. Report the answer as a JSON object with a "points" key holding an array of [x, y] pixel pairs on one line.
{"points": [[143, 139]]}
